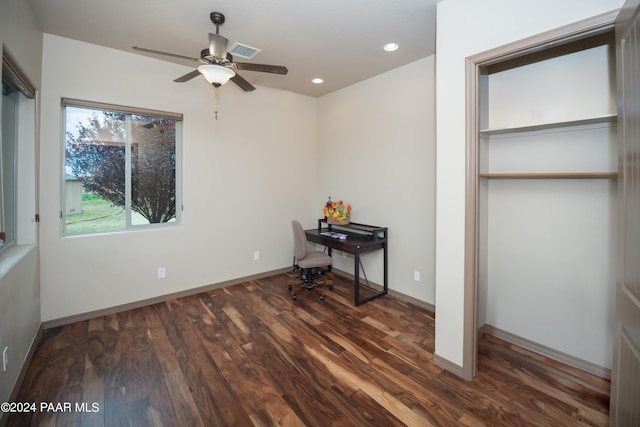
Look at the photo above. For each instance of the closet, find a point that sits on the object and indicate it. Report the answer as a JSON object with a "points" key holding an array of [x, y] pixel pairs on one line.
{"points": [[546, 174]]}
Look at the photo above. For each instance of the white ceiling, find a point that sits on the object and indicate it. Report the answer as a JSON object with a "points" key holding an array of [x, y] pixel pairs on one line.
{"points": [[338, 40]]}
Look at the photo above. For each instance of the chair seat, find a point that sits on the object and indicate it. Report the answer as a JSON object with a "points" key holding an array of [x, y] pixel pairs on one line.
{"points": [[306, 262], [314, 259]]}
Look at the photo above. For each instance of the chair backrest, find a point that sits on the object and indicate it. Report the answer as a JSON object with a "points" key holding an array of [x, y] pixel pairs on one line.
{"points": [[299, 240]]}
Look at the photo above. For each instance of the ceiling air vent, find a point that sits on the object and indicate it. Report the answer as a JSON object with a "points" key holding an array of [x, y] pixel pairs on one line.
{"points": [[243, 51]]}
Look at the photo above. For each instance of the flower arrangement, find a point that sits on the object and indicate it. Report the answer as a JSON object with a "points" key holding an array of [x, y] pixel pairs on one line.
{"points": [[337, 212]]}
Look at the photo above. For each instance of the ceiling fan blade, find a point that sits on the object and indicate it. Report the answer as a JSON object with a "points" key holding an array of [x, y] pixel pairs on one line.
{"points": [[263, 68], [193, 74], [158, 52], [244, 85], [218, 46]]}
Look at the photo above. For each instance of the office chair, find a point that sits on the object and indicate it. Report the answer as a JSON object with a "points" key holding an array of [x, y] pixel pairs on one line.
{"points": [[306, 262]]}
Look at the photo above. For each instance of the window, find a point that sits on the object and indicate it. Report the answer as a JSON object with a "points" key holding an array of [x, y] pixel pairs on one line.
{"points": [[18, 132], [122, 168], [10, 99]]}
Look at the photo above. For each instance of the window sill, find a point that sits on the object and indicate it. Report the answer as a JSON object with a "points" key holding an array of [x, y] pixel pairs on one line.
{"points": [[13, 257]]}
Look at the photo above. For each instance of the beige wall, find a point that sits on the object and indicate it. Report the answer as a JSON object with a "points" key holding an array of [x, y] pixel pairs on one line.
{"points": [[19, 271], [245, 177], [247, 174], [376, 150], [465, 28]]}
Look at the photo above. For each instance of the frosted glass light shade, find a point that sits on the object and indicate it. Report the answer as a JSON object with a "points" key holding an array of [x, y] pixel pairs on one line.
{"points": [[216, 74]]}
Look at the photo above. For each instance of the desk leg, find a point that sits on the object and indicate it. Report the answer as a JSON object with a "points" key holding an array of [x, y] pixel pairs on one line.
{"points": [[356, 284], [386, 274], [356, 273], [329, 253]]}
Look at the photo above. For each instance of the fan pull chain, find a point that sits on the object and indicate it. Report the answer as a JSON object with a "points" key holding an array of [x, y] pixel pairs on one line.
{"points": [[215, 97]]}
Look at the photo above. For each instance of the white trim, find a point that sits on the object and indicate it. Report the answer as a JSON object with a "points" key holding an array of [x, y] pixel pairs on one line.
{"points": [[69, 102]]}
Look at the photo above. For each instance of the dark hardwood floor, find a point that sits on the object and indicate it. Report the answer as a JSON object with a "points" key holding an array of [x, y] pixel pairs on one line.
{"points": [[248, 355]]}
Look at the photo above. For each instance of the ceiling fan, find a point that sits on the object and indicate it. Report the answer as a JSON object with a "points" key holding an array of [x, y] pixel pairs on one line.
{"points": [[218, 64]]}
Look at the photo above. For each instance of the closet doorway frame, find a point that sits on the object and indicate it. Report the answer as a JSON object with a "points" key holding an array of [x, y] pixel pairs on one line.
{"points": [[474, 66]]}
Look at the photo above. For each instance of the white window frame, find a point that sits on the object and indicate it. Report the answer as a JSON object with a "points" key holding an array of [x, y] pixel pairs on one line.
{"points": [[128, 111], [15, 77], [9, 202]]}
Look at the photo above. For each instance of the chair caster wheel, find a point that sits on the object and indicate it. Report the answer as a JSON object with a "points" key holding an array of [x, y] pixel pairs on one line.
{"points": [[330, 287], [290, 287], [294, 297], [321, 297]]}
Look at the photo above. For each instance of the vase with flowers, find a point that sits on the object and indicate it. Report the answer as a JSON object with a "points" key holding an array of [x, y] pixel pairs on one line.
{"points": [[337, 212]]}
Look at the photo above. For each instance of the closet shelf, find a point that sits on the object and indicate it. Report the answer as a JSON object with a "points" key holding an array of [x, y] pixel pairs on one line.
{"points": [[608, 118], [551, 175]]}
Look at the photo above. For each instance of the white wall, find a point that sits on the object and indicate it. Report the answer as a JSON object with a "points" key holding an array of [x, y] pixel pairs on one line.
{"points": [[245, 177], [376, 150], [569, 87], [465, 28], [19, 271]]}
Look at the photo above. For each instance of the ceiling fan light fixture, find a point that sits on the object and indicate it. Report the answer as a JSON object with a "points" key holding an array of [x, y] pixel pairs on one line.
{"points": [[218, 64], [216, 74]]}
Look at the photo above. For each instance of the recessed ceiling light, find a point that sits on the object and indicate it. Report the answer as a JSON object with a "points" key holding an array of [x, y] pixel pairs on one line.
{"points": [[317, 80], [390, 47]]}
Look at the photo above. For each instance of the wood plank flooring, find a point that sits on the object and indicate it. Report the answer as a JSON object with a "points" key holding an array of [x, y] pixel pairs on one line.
{"points": [[248, 355]]}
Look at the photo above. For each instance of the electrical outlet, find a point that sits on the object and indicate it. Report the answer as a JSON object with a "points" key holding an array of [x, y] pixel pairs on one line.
{"points": [[162, 273], [416, 276], [256, 255], [5, 359]]}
